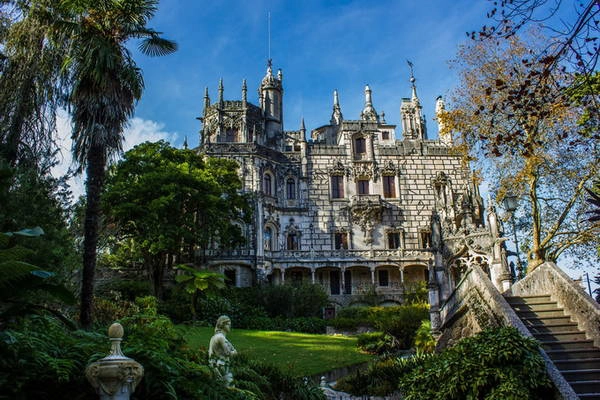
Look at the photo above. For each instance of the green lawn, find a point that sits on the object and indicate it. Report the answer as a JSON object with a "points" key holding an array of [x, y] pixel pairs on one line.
{"points": [[300, 353]]}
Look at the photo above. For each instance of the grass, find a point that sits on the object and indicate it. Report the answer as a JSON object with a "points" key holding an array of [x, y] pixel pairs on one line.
{"points": [[301, 354]]}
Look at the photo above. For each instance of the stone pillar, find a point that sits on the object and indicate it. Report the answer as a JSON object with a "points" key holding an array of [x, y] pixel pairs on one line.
{"points": [[401, 269], [115, 376], [312, 275], [434, 299], [373, 276], [282, 276]]}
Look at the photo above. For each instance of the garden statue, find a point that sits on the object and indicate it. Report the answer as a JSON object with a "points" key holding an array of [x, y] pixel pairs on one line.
{"points": [[220, 350]]}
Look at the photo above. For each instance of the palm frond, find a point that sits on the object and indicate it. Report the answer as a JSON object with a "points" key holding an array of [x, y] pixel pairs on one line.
{"points": [[156, 46]]}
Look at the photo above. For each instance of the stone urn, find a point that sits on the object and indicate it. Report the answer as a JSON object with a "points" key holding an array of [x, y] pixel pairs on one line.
{"points": [[115, 376]]}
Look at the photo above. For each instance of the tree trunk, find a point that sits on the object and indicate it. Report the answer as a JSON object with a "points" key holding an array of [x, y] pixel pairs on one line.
{"points": [[95, 179]]}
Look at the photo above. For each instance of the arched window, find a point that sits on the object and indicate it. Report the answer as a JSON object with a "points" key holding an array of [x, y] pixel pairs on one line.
{"points": [[389, 186], [290, 185], [268, 184], [268, 239]]}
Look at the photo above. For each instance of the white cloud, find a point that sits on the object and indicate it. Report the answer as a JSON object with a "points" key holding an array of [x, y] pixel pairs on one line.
{"points": [[138, 131]]}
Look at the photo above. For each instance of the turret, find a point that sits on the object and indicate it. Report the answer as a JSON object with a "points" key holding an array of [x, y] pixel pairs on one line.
{"points": [[444, 133], [271, 104]]}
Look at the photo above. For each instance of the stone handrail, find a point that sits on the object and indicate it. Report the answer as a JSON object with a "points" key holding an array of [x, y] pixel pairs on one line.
{"points": [[476, 293], [549, 279]]}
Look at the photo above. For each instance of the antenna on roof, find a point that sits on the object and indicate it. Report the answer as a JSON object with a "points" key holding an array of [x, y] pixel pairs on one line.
{"points": [[269, 30]]}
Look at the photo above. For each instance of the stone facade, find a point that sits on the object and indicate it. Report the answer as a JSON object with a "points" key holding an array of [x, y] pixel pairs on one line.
{"points": [[353, 208]]}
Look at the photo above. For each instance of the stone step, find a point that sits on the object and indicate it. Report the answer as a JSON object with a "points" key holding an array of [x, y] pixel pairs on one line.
{"points": [[563, 319], [573, 354], [527, 299], [577, 363], [551, 327], [589, 396], [567, 344], [560, 336], [542, 306], [581, 375], [586, 387], [557, 312]]}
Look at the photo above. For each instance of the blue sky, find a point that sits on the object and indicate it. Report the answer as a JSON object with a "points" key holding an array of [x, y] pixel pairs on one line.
{"points": [[319, 45]]}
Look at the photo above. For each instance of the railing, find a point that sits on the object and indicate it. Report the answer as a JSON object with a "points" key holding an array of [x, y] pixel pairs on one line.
{"points": [[283, 255]]}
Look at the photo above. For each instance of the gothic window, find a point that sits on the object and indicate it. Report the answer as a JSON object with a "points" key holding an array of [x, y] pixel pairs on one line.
{"points": [[384, 279], [290, 185], [360, 145], [394, 240], [268, 184], [363, 186], [293, 241], [389, 186], [425, 238], [231, 135], [337, 187], [269, 239], [341, 240]]}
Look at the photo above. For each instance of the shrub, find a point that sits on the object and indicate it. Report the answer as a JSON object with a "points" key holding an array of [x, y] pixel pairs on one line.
{"points": [[129, 289], [494, 364], [400, 322], [424, 341], [377, 343]]}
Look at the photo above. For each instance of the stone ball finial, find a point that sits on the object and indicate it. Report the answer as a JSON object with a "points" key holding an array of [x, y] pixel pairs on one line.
{"points": [[115, 331]]}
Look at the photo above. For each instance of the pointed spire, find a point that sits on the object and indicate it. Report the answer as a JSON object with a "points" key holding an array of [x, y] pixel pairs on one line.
{"points": [[185, 143], [368, 100], [302, 126], [221, 90], [279, 75], [244, 91], [336, 115], [206, 99], [369, 113]]}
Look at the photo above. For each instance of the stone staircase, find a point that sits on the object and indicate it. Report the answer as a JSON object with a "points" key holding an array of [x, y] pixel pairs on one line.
{"points": [[572, 353]]}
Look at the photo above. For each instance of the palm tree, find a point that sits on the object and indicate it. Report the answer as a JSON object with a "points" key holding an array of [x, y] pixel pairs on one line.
{"points": [[106, 82]]}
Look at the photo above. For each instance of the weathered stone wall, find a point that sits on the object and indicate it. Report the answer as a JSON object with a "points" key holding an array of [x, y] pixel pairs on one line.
{"points": [[549, 279], [476, 304]]}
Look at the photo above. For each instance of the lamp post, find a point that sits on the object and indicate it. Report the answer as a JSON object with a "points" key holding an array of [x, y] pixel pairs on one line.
{"points": [[511, 202]]}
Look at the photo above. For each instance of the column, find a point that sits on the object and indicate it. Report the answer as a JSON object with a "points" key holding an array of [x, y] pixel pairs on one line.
{"points": [[282, 276], [401, 275], [312, 273], [373, 276]]}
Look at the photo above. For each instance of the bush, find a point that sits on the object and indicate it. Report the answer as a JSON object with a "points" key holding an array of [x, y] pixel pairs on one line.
{"points": [[424, 341], [494, 364], [128, 289], [283, 307], [377, 343], [400, 322]]}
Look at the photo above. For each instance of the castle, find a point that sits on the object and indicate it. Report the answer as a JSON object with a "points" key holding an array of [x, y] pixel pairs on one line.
{"points": [[353, 208]]}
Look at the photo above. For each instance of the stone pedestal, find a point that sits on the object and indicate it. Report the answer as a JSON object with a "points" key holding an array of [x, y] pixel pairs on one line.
{"points": [[115, 376]]}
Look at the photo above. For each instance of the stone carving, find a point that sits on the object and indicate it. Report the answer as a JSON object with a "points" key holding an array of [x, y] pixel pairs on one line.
{"points": [[115, 376], [389, 169], [338, 169], [366, 212], [220, 350], [364, 170]]}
